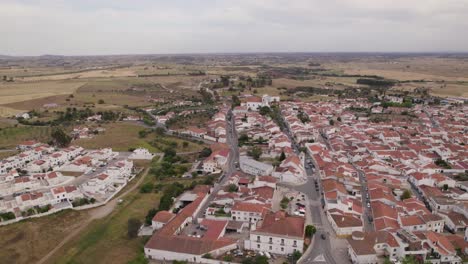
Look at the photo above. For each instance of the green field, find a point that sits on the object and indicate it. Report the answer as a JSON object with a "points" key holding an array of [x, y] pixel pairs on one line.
{"points": [[105, 240], [122, 136], [10, 137]]}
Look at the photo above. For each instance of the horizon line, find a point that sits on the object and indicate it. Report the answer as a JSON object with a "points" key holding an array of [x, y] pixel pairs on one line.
{"points": [[242, 53]]}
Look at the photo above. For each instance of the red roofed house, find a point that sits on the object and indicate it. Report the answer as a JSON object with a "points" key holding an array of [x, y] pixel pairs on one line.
{"points": [[278, 233], [169, 244], [249, 212], [161, 218], [66, 193]]}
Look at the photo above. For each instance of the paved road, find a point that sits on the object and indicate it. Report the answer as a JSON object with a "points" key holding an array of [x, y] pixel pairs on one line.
{"points": [[233, 160]]}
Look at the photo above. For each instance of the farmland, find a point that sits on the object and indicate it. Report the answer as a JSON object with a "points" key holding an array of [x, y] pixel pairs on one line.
{"points": [[10, 137], [123, 136]]}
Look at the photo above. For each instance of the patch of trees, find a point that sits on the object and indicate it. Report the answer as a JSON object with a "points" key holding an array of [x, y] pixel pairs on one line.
{"points": [[442, 163], [255, 260], [376, 82], [311, 90], [243, 139], [83, 201], [275, 115], [406, 104], [303, 117], [197, 73], [264, 110], [205, 153], [358, 109], [310, 230], [255, 152], [207, 97], [60, 138], [261, 81], [235, 101], [284, 203], [7, 216]]}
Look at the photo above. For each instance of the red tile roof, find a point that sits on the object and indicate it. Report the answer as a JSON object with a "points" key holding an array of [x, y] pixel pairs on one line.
{"points": [[280, 224]]}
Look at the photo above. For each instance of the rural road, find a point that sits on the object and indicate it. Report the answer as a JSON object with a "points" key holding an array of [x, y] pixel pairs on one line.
{"points": [[95, 213]]}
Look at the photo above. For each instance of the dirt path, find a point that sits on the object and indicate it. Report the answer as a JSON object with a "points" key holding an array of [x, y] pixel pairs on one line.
{"points": [[95, 213]]}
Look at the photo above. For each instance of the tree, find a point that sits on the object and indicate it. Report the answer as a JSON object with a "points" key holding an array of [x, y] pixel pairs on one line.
{"points": [[149, 216], [160, 131], [264, 110], [446, 187], [101, 101], [243, 138], [133, 225], [228, 258], [296, 255], [282, 156], [331, 122], [310, 230], [60, 138], [406, 194], [284, 203], [206, 152], [142, 133], [147, 187], [409, 260], [185, 144], [232, 188], [207, 256], [235, 101], [255, 152]]}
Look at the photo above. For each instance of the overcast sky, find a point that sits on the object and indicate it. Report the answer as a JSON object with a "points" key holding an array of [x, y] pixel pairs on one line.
{"points": [[92, 27]]}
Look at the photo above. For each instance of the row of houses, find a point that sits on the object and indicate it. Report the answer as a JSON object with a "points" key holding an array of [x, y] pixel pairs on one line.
{"points": [[366, 168]]}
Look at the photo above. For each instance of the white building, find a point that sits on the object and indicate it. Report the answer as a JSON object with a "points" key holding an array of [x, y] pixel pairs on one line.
{"points": [[254, 167], [141, 154], [278, 234]]}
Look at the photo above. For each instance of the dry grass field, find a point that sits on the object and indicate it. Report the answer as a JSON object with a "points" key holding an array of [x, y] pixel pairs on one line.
{"points": [[20, 92], [29, 240]]}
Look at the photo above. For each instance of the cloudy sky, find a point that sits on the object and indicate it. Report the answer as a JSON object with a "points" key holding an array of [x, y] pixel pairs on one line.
{"points": [[89, 27]]}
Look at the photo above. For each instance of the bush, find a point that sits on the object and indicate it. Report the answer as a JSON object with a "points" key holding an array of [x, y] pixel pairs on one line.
{"points": [[101, 101], [7, 216], [207, 256], [232, 188], [149, 216], [310, 230], [147, 187], [406, 195], [284, 203]]}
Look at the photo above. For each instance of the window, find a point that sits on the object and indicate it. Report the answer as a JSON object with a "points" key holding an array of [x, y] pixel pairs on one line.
{"points": [[295, 243], [271, 240], [271, 248], [282, 249], [282, 241], [258, 238], [258, 245]]}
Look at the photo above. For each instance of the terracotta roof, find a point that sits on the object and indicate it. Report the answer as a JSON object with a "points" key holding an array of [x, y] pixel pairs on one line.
{"points": [[346, 220], [163, 217], [280, 224], [250, 207]]}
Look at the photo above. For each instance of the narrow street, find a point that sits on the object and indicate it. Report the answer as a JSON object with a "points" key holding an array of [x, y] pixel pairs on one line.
{"points": [[233, 159], [325, 247]]}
